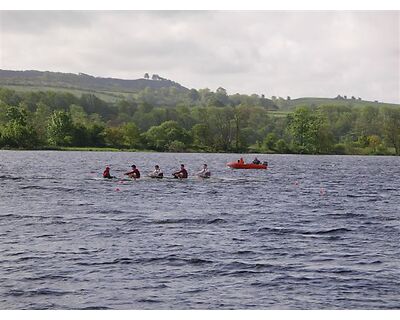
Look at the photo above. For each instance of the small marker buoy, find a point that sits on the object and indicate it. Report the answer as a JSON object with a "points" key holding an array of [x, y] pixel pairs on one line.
{"points": [[117, 189]]}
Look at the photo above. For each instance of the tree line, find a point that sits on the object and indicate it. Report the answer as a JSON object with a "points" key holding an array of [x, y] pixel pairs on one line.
{"points": [[207, 122]]}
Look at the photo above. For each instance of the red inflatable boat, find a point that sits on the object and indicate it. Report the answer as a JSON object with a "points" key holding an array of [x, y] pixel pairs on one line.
{"points": [[238, 165]]}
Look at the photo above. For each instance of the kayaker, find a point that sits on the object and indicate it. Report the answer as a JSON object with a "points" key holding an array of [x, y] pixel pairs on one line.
{"points": [[204, 173], [135, 174], [256, 161], [182, 174], [106, 173], [241, 161], [157, 173]]}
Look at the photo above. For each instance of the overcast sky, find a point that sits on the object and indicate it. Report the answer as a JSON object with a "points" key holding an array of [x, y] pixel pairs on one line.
{"points": [[277, 53]]}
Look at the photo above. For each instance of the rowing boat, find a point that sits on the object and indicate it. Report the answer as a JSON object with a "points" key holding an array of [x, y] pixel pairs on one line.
{"points": [[238, 165]]}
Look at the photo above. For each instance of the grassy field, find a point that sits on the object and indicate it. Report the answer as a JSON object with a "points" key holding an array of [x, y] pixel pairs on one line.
{"points": [[311, 101], [279, 113], [107, 96]]}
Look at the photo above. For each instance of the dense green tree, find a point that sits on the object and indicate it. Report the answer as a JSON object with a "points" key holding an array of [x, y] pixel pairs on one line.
{"points": [[176, 146], [131, 135], [3, 113], [16, 133], [391, 127], [281, 146], [79, 137], [193, 95], [10, 97], [202, 136], [221, 122], [374, 142], [368, 122], [240, 118], [39, 121], [160, 137], [60, 129], [221, 97], [114, 137], [96, 135], [78, 115], [325, 140], [270, 141], [304, 125], [126, 108], [15, 114], [92, 104]]}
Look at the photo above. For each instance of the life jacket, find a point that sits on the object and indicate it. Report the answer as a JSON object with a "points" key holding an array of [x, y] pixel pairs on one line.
{"points": [[106, 174], [184, 173], [136, 172]]}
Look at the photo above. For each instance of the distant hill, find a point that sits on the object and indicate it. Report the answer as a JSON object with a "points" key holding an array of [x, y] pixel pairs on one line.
{"points": [[82, 81], [289, 105], [112, 90]]}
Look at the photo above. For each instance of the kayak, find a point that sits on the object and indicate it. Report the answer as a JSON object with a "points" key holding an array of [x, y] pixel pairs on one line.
{"points": [[237, 165]]}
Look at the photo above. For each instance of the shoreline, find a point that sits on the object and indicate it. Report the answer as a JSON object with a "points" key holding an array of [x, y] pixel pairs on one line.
{"points": [[110, 149]]}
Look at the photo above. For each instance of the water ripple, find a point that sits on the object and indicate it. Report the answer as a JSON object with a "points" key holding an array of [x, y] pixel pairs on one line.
{"points": [[301, 235]]}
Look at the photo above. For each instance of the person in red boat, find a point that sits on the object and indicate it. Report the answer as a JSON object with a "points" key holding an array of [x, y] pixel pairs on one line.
{"points": [[182, 174], [134, 174], [106, 173]]}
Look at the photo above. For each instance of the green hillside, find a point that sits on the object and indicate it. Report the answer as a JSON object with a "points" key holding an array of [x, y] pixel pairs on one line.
{"points": [[158, 91], [104, 95], [317, 102], [81, 81]]}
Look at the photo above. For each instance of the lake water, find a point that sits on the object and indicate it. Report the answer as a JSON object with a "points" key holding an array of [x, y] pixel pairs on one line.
{"points": [[312, 232]]}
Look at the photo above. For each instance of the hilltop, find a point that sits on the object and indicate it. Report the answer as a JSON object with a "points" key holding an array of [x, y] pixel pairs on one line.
{"points": [[107, 88]]}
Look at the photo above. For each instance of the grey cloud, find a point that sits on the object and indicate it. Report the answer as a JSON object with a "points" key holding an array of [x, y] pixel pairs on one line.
{"points": [[40, 21], [272, 52]]}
